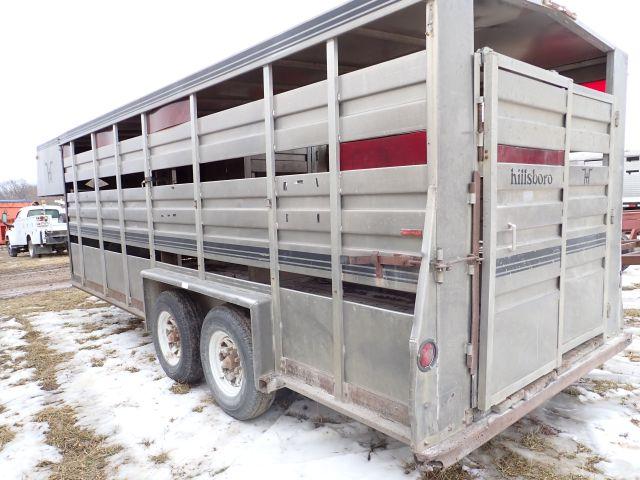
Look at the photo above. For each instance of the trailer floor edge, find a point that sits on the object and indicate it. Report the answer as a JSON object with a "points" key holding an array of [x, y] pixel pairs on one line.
{"points": [[449, 451]]}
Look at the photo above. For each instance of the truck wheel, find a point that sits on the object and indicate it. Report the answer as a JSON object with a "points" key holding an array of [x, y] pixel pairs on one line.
{"points": [[32, 249], [175, 327], [12, 251], [227, 359]]}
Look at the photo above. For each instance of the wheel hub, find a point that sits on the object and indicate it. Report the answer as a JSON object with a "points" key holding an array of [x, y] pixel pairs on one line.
{"points": [[169, 338], [225, 362], [230, 361]]}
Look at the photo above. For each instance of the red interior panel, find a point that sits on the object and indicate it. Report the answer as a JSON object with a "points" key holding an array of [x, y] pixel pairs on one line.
{"points": [[599, 85], [394, 151], [104, 137], [530, 156], [168, 116]]}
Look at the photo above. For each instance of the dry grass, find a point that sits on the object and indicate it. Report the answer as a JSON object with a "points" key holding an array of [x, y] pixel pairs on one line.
{"points": [[635, 421], [513, 465], [601, 387], [91, 327], [573, 391], [89, 347], [64, 299], [132, 325], [632, 312], [160, 458], [2, 409], [97, 362], [533, 441], [590, 464], [94, 337], [132, 369], [633, 356], [454, 472], [198, 409], [544, 429], [180, 388], [42, 358], [582, 448], [6, 435], [19, 265], [84, 454], [7, 363]]}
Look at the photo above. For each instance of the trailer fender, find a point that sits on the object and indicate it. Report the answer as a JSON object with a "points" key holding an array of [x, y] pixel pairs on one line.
{"points": [[211, 293]]}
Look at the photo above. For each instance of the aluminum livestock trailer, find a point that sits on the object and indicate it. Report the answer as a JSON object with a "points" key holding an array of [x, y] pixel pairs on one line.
{"points": [[375, 209]]}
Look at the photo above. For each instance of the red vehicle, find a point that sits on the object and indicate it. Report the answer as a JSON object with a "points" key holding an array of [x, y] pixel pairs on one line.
{"points": [[8, 211]]}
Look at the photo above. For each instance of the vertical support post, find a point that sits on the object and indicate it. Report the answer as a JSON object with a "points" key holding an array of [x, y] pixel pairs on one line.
{"points": [[96, 188], [424, 385], [490, 176], [247, 167], [616, 86], [612, 242], [74, 167], [123, 239], [272, 205], [197, 194], [441, 397], [148, 183], [335, 205], [565, 215]]}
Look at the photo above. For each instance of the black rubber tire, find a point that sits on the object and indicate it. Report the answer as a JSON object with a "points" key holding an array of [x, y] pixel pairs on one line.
{"points": [[12, 251], [250, 402], [188, 318], [32, 249]]}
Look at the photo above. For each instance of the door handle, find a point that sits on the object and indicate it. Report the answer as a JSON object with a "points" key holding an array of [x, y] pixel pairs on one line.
{"points": [[514, 235]]}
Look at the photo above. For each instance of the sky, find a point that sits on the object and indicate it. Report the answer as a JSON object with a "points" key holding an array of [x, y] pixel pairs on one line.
{"points": [[66, 62]]}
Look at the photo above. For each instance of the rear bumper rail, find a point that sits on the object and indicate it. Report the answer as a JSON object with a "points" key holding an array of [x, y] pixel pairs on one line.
{"points": [[460, 444]]}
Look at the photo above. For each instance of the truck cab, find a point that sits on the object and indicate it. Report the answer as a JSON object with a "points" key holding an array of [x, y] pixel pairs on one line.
{"points": [[38, 229]]}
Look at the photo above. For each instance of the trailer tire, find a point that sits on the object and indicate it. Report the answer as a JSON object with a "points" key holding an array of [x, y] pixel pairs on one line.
{"points": [[32, 249], [175, 313], [12, 251], [226, 331]]}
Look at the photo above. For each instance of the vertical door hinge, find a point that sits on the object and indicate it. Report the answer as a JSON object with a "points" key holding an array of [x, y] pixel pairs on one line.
{"points": [[616, 118], [472, 193], [469, 355], [608, 310], [480, 120]]}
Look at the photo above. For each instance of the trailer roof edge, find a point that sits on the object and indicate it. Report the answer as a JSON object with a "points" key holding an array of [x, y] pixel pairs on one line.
{"points": [[327, 24], [324, 26]]}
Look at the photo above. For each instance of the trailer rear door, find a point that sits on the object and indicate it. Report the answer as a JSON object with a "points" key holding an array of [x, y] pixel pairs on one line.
{"points": [[544, 223]]}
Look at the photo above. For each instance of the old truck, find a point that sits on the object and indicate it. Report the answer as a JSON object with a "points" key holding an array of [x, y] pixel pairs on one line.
{"points": [[8, 211], [38, 230], [375, 209]]}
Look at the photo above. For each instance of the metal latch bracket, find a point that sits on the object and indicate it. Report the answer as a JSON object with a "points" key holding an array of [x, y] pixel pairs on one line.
{"points": [[440, 266]]}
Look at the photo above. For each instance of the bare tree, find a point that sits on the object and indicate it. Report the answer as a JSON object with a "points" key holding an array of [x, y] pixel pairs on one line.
{"points": [[17, 190]]}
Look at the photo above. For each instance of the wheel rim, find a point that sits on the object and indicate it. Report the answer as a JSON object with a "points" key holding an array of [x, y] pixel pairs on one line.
{"points": [[226, 366], [169, 338]]}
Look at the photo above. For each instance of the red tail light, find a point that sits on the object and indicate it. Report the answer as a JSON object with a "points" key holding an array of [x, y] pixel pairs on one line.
{"points": [[427, 355]]}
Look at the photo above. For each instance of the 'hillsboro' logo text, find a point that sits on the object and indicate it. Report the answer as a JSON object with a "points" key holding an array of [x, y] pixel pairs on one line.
{"points": [[524, 176]]}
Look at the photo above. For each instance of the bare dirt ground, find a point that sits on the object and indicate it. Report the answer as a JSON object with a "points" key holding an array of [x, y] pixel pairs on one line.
{"points": [[82, 397], [23, 275]]}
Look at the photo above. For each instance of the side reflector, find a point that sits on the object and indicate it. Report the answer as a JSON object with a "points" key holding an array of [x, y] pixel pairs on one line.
{"points": [[411, 232], [427, 355]]}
